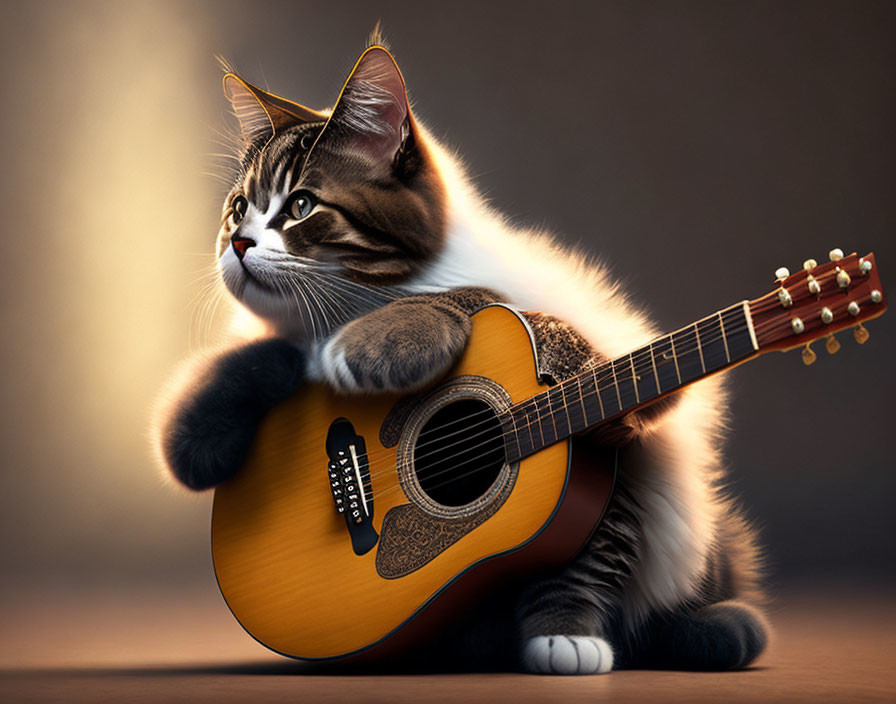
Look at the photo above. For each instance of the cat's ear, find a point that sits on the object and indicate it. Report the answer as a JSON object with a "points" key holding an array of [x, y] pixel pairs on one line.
{"points": [[261, 114], [372, 114]]}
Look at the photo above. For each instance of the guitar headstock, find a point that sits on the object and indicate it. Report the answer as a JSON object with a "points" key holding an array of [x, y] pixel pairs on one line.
{"points": [[818, 301]]}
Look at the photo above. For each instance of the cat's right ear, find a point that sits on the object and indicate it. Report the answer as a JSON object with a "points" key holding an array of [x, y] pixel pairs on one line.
{"points": [[261, 114]]}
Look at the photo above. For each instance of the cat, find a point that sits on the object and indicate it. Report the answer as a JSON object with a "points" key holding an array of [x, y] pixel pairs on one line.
{"points": [[360, 242]]}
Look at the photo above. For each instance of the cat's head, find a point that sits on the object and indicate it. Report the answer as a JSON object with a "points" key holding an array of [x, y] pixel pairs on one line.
{"points": [[331, 211]]}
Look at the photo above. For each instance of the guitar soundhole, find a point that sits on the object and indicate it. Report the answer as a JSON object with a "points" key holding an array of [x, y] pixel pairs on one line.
{"points": [[459, 452]]}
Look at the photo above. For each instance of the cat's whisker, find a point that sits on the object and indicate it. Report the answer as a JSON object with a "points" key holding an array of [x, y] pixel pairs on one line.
{"points": [[217, 177], [198, 312]]}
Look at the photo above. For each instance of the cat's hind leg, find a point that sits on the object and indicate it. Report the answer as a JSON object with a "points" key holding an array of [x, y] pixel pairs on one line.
{"points": [[727, 635], [209, 424], [565, 623]]}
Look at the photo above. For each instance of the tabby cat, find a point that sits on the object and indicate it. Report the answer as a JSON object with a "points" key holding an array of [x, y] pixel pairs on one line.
{"points": [[360, 242]]}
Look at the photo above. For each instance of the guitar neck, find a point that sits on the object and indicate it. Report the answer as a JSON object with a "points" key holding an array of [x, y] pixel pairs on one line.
{"points": [[817, 301], [627, 383]]}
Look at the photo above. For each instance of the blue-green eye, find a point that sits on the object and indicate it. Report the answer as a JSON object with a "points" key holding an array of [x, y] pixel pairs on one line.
{"points": [[300, 205]]}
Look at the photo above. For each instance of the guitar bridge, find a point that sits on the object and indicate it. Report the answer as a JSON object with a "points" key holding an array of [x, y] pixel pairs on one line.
{"points": [[350, 484]]}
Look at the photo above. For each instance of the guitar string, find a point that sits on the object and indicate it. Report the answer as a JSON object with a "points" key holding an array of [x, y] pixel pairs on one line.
{"points": [[761, 304], [493, 416], [607, 369], [548, 413], [389, 488], [600, 374], [576, 397], [766, 327]]}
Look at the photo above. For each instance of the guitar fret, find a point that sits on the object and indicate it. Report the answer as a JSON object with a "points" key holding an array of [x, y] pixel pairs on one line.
{"points": [[529, 428], [699, 348], [608, 393], [656, 376], [634, 378], [575, 408], [738, 334], [566, 407], [582, 401], [592, 398], [644, 372], [557, 417], [713, 353], [544, 416], [724, 336], [626, 387], [551, 413], [666, 370], [675, 359], [690, 363], [616, 383], [538, 420], [516, 435]]}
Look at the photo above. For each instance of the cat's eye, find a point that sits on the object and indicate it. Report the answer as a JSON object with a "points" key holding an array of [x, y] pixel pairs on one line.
{"points": [[238, 209], [300, 205]]}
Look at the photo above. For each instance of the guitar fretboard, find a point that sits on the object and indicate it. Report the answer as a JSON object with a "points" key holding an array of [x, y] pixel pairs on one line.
{"points": [[621, 385]]}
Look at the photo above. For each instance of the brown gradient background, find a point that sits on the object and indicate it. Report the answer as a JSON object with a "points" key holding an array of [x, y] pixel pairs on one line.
{"points": [[695, 146]]}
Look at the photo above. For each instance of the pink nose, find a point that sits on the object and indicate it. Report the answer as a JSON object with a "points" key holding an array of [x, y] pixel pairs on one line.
{"points": [[240, 245]]}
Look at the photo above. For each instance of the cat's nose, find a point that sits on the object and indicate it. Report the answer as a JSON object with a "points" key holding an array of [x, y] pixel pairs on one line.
{"points": [[240, 245]]}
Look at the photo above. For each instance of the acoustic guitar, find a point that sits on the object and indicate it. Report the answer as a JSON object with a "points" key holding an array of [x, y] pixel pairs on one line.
{"points": [[359, 524]]}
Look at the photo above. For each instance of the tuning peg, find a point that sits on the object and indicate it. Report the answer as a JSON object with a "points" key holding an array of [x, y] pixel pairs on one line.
{"points": [[782, 273], [831, 344], [809, 264], [860, 333], [835, 254], [865, 265], [808, 355], [842, 279]]}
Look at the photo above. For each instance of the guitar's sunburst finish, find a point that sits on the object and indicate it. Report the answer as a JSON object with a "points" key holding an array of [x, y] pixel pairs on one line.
{"points": [[282, 554]]}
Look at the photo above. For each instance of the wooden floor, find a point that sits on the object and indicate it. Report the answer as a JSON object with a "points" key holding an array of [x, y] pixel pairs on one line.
{"points": [[161, 645]]}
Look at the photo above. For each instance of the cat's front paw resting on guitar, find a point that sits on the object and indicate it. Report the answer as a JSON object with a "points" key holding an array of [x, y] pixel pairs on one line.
{"points": [[401, 347], [567, 655], [211, 424]]}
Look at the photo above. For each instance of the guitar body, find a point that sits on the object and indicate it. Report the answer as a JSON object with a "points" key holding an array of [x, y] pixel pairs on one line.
{"points": [[302, 584]]}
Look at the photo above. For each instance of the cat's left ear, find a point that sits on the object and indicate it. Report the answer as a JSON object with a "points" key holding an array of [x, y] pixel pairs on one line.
{"points": [[372, 114], [261, 114]]}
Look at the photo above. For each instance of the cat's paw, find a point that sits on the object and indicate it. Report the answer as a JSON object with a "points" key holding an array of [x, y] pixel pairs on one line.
{"points": [[210, 425], [567, 655], [401, 347], [727, 635]]}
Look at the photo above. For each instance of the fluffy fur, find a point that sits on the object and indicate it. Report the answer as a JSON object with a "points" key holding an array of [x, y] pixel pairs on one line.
{"points": [[362, 288]]}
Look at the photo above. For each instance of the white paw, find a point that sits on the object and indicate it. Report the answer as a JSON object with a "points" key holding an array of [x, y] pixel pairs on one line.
{"points": [[567, 655]]}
